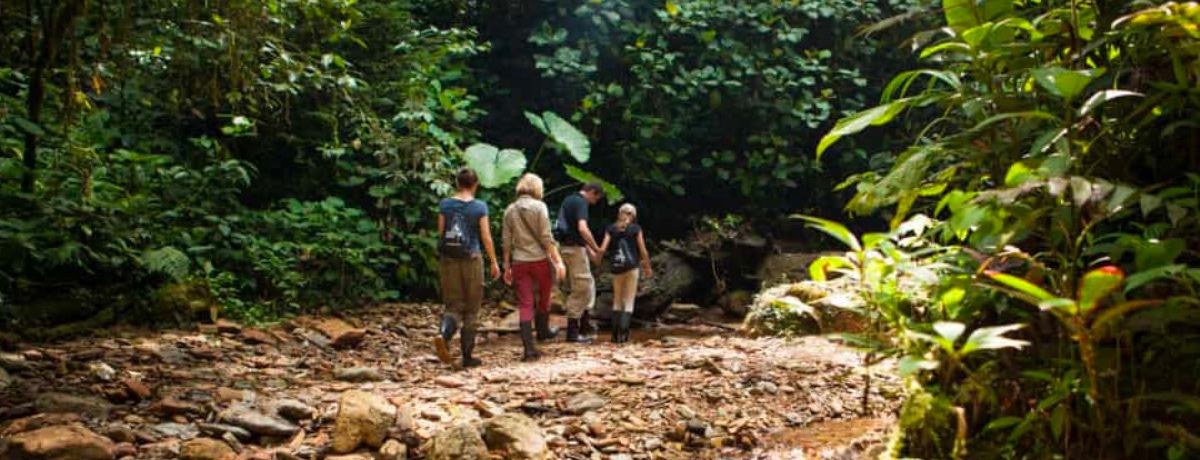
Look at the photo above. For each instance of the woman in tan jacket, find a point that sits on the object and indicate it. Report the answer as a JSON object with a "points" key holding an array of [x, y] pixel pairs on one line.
{"points": [[529, 250]]}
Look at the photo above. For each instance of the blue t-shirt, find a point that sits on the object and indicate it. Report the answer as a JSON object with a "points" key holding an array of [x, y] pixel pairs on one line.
{"points": [[473, 211]]}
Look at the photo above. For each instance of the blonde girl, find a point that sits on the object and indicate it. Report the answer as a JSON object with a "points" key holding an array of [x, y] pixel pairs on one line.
{"points": [[629, 260]]}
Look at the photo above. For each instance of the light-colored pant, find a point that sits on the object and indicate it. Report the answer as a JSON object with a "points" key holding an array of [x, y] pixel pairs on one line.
{"points": [[625, 290], [582, 294]]}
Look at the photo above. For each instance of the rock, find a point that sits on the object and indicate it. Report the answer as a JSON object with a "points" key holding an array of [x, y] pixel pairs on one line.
{"points": [[34, 422], [674, 278], [225, 326], [230, 395], [653, 444], [172, 406], [683, 311], [785, 268], [257, 337], [168, 449], [359, 374], [341, 334], [517, 436], [219, 430], [62, 442], [257, 422], [835, 408], [779, 311], [205, 449], [362, 418], [349, 457], [584, 402], [102, 371], [459, 442], [5, 379], [175, 430], [137, 389], [292, 409], [15, 363], [393, 450], [64, 403], [120, 433], [767, 387], [736, 303], [449, 381], [124, 449]]}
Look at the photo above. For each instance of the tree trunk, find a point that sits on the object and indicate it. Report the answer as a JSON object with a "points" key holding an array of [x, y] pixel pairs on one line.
{"points": [[54, 31]]}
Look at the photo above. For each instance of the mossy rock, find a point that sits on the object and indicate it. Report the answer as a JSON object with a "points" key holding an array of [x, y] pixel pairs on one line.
{"points": [[184, 302]]}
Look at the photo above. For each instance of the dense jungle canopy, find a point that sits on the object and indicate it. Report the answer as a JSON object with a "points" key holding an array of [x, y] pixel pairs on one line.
{"points": [[1020, 179]]}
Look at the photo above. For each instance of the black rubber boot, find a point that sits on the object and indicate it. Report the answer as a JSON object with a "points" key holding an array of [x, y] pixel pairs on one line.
{"points": [[585, 324], [531, 352], [445, 333], [468, 346], [616, 326], [544, 331], [626, 318], [573, 334]]}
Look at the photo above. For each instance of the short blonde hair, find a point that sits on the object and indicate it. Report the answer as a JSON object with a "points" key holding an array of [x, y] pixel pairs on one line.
{"points": [[531, 184], [626, 215]]}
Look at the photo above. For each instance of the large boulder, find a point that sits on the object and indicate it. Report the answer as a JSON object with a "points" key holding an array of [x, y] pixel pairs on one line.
{"points": [[63, 442], [517, 436], [674, 280], [363, 418], [785, 268], [459, 442], [805, 308]]}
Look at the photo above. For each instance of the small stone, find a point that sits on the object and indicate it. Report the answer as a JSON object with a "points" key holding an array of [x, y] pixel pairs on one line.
{"points": [[225, 326], [121, 433], [653, 444], [584, 402], [767, 387], [258, 336], [219, 430], [697, 427], [5, 379], [449, 381], [34, 422], [175, 430], [137, 389], [205, 449], [517, 436], [124, 449], [393, 450], [230, 395], [160, 450], [835, 408], [172, 406], [292, 409], [102, 371], [340, 333], [362, 418], [258, 423], [459, 442], [62, 442], [685, 412], [359, 374], [348, 457]]}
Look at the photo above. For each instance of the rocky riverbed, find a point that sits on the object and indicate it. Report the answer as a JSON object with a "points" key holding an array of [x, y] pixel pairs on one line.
{"points": [[368, 387]]}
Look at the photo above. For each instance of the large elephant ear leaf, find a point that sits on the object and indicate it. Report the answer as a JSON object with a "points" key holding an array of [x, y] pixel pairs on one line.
{"points": [[962, 15], [495, 167], [567, 137], [537, 122], [611, 191]]}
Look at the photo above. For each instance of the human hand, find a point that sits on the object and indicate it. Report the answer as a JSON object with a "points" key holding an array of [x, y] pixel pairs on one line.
{"points": [[561, 270], [495, 271], [647, 270]]}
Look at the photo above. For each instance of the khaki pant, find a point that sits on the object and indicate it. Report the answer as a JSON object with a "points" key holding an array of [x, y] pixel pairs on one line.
{"points": [[462, 288], [582, 287], [625, 290]]}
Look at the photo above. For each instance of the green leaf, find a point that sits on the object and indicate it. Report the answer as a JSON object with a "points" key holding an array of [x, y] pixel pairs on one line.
{"points": [[495, 167], [1002, 423], [1104, 96], [28, 126], [1098, 284], [834, 229], [1058, 421], [965, 14], [166, 261], [853, 124], [910, 365], [611, 191], [1112, 314], [1022, 286], [568, 137], [1141, 278], [537, 123], [819, 269], [1065, 83], [992, 338], [950, 330], [1018, 174]]}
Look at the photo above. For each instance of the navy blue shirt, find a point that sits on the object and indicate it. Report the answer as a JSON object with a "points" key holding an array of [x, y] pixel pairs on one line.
{"points": [[574, 208], [473, 211]]}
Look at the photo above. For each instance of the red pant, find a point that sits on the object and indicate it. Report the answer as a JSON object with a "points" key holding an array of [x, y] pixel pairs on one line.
{"points": [[525, 276]]}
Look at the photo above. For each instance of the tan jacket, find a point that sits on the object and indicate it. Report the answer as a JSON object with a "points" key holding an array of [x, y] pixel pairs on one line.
{"points": [[527, 240]]}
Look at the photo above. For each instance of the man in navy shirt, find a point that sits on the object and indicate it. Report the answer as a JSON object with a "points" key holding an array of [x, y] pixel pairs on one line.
{"points": [[578, 246]]}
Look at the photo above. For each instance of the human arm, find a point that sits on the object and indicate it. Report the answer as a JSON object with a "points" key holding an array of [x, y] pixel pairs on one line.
{"points": [[647, 270], [546, 237], [586, 233], [485, 237], [441, 224], [599, 255], [506, 238]]}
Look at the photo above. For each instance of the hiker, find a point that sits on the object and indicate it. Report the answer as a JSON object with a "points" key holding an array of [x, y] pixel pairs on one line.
{"points": [[578, 248], [462, 226], [629, 252], [529, 250]]}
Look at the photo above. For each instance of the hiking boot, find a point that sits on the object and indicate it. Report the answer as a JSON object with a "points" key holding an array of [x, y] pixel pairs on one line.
{"points": [[531, 352], [625, 319], [585, 324], [616, 327], [544, 331], [446, 332], [573, 334], [468, 346]]}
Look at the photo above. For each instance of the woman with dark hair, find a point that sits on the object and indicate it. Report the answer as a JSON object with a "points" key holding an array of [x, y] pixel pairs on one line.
{"points": [[462, 228]]}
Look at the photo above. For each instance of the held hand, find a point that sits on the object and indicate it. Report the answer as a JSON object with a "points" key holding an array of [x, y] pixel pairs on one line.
{"points": [[495, 271], [561, 271], [647, 270], [508, 276]]}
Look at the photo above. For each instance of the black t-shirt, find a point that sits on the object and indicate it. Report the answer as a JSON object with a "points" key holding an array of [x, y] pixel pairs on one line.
{"points": [[574, 208], [624, 244]]}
